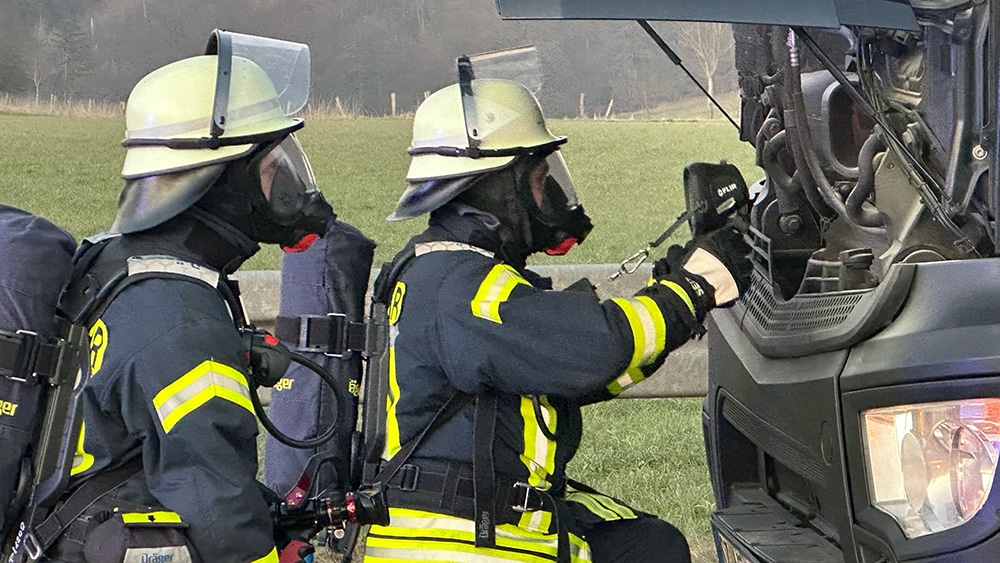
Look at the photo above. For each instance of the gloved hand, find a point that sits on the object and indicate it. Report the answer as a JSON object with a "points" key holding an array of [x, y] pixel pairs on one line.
{"points": [[297, 551], [720, 259]]}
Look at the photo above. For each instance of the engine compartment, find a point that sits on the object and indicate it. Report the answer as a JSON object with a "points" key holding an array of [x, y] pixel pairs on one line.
{"points": [[872, 159]]}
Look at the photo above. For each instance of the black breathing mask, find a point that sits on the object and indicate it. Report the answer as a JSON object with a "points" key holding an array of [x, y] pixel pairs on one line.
{"points": [[558, 220], [271, 196], [289, 189]]}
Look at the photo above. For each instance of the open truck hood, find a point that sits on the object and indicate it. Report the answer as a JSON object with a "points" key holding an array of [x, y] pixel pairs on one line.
{"points": [[807, 13]]}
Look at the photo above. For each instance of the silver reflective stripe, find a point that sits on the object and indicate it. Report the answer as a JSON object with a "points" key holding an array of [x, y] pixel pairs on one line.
{"points": [[446, 246], [206, 381], [171, 265], [202, 123]]}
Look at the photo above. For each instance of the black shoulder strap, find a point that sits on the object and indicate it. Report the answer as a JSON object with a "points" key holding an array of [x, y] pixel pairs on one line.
{"points": [[483, 471], [82, 498], [450, 408]]}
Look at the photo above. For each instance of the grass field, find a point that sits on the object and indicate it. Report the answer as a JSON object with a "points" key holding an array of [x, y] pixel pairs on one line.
{"points": [[628, 173]]}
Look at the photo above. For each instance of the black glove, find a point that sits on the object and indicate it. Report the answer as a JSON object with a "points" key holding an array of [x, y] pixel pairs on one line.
{"points": [[718, 279]]}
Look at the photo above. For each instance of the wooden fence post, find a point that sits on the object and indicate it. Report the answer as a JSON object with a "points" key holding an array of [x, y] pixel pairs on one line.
{"points": [[582, 114]]}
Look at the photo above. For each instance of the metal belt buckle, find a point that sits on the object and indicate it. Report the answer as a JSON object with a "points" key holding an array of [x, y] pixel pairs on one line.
{"points": [[526, 501], [337, 337], [24, 366]]}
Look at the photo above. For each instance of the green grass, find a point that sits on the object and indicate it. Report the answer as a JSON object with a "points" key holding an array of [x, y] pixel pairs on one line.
{"points": [[628, 173]]}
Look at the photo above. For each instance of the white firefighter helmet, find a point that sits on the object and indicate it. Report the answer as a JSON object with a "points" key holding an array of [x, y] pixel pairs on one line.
{"points": [[458, 136], [505, 121], [185, 120], [171, 110]]}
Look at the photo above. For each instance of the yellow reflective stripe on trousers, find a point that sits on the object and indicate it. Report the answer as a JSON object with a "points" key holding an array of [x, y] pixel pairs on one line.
{"points": [[649, 336], [494, 290], [269, 558], [160, 516], [602, 506], [195, 388], [417, 535], [539, 456]]}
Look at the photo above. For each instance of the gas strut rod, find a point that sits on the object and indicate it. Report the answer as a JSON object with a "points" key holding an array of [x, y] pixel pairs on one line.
{"points": [[677, 61]]}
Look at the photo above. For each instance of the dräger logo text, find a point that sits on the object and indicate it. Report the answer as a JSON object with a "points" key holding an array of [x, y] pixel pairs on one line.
{"points": [[7, 408], [157, 558]]}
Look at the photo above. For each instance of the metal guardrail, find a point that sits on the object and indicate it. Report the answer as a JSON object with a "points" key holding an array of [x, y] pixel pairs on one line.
{"points": [[684, 374]]}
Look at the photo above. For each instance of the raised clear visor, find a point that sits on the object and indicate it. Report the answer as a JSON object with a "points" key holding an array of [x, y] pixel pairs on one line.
{"points": [[287, 64]]}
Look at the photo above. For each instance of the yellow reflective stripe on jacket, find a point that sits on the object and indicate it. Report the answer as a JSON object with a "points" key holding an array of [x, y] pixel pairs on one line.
{"points": [[539, 456], [160, 516], [82, 461], [539, 452], [494, 290], [269, 558], [417, 535], [603, 506], [195, 388], [649, 336], [392, 444]]}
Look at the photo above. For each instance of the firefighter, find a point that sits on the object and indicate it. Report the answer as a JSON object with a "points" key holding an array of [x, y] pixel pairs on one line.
{"points": [[471, 326], [167, 413]]}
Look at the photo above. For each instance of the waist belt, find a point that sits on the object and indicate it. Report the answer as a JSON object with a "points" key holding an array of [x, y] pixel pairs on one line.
{"points": [[447, 487]]}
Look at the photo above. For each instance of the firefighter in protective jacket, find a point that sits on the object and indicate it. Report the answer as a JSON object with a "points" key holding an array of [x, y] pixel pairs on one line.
{"points": [[169, 399], [470, 325]]}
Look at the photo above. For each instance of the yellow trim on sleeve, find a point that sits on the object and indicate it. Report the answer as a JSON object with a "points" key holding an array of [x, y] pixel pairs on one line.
{"points": [[649, 338], [195, 388], [496, 289]]}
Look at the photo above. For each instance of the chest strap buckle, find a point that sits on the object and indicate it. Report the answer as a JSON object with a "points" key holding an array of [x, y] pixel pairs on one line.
{"points": [[526, 498]]}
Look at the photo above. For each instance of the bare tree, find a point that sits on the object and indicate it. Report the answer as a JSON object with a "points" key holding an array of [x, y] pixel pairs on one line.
{"points": [[40, 66], [710, 43]]}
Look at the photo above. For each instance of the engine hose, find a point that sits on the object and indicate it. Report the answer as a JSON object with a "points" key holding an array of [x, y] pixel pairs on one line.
{"points": [[306, 443], [777, 173], [792, 117], [813, 166], [772, 121], [866, 185]]}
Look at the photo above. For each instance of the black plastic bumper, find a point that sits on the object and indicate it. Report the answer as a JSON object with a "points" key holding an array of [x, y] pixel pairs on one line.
{"points": [[764, 532]]}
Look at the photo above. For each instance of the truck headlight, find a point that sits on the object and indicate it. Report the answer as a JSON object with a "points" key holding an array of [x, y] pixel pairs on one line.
{"points": [[931, 465]]}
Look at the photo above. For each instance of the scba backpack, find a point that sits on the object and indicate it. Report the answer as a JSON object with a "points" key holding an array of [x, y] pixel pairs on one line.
{"points": [[39, 361], [44, 367]]}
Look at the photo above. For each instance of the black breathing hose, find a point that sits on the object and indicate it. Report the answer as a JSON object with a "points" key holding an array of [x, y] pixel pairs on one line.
{"points": [[306, 443]]}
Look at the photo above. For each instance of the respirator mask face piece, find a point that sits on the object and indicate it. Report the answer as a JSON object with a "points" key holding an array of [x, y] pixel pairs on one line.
{"points": [[546, 189], [289, 187]]}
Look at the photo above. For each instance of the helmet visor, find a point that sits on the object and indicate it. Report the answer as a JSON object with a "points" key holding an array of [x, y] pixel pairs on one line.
{"points": [[559, 191], [287, 179], [287, 65]]}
